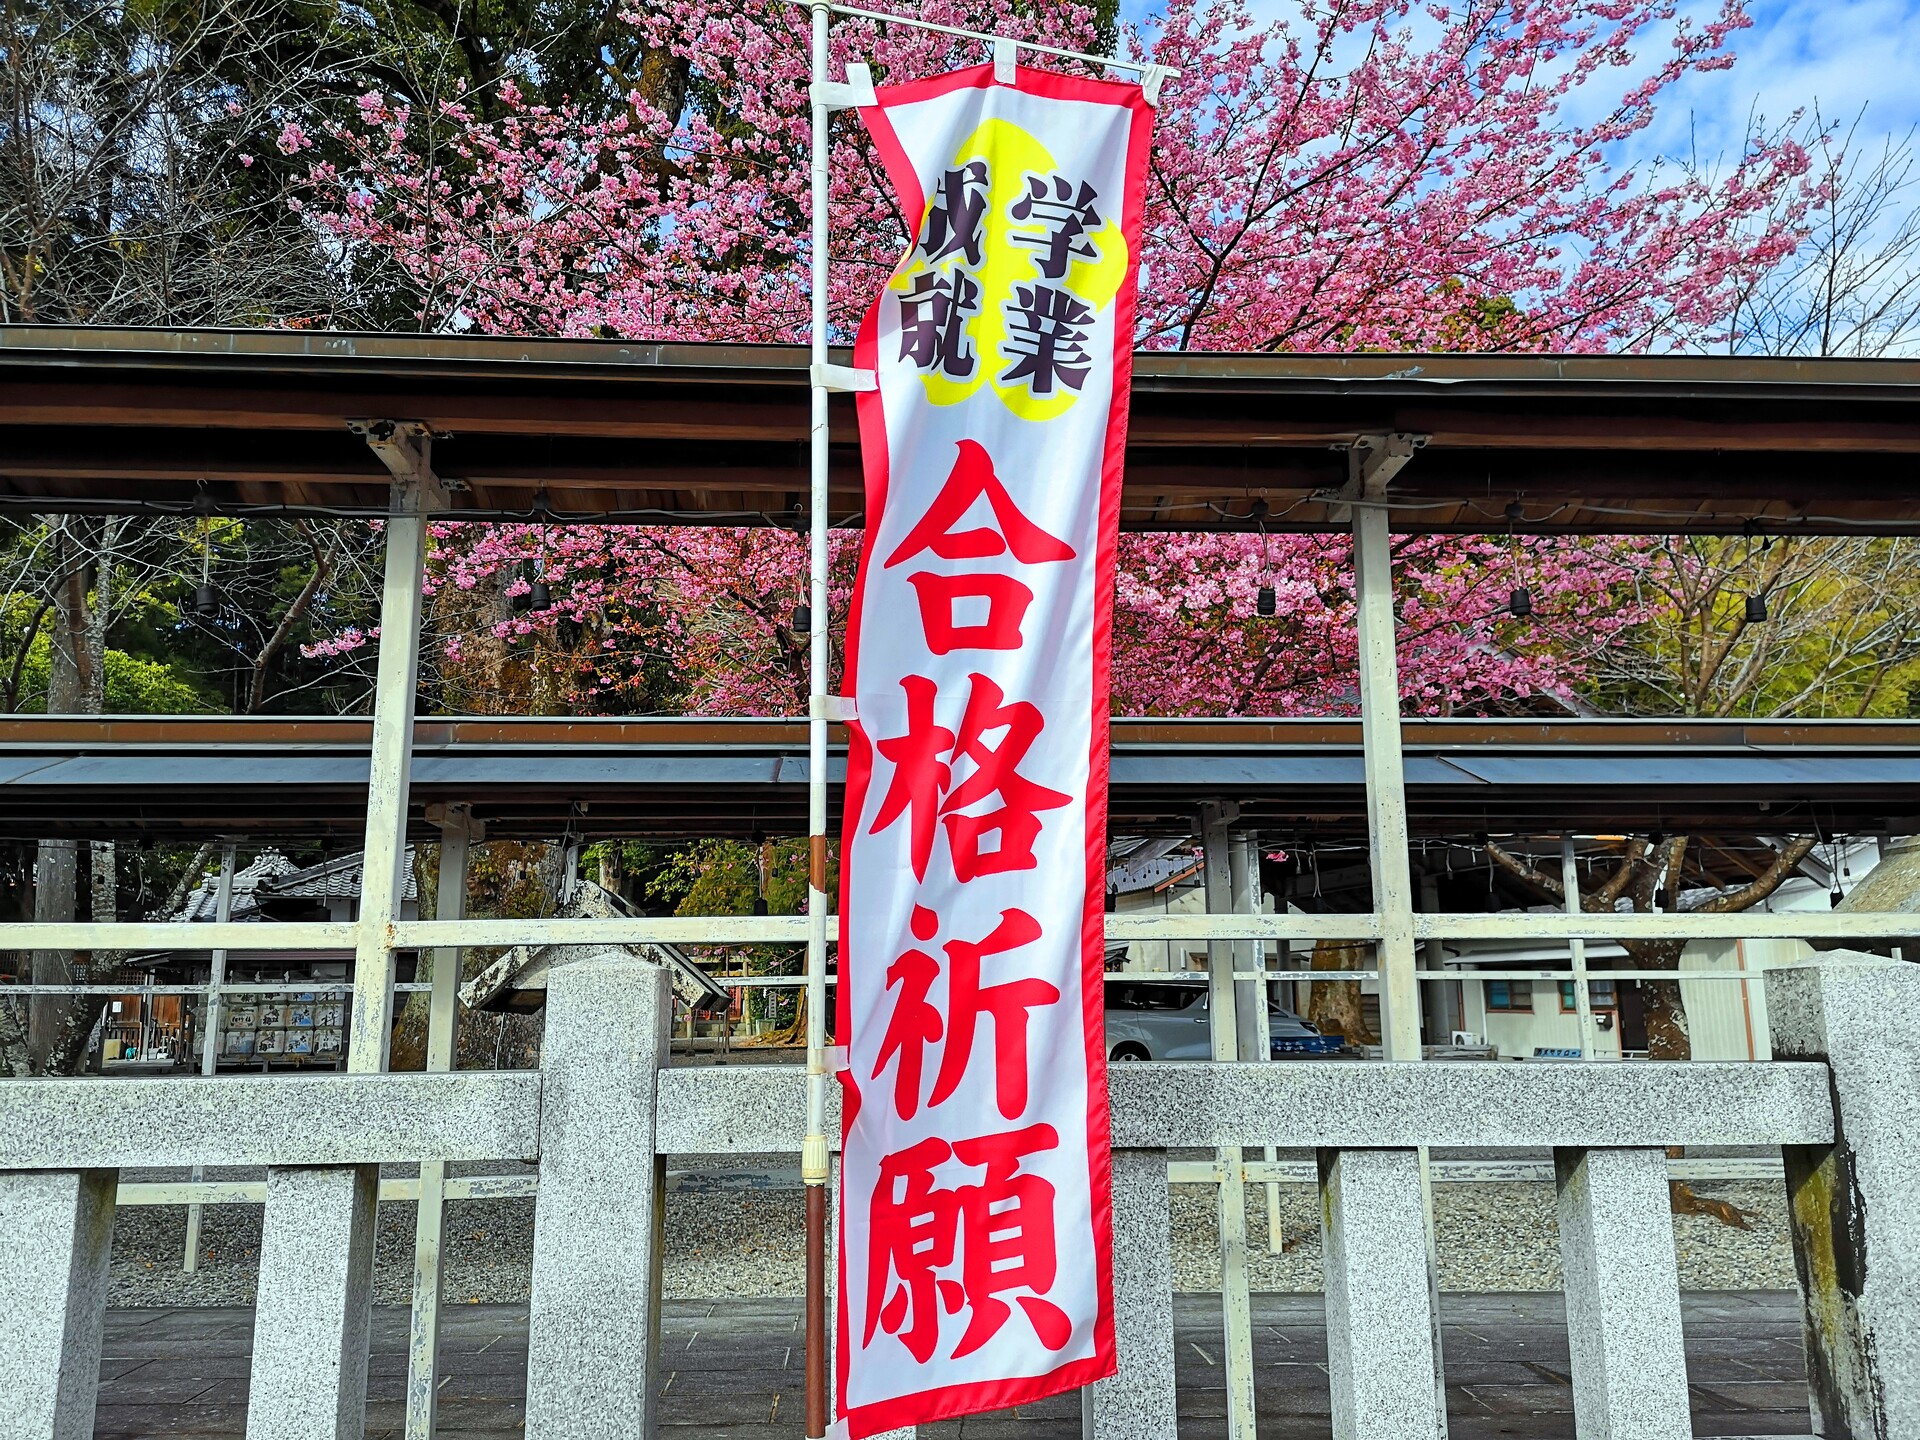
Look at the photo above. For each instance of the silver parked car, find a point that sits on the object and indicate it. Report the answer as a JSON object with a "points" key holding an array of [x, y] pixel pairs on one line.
{"points": [[1167, 1020]]}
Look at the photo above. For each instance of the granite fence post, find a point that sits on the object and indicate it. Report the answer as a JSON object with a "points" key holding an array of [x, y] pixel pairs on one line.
{"points": [[593, 1328], [1853, 1205], [313, 1310], [1622, 1286], [1383, 1351], [56, 1233], [1137, 1403]]}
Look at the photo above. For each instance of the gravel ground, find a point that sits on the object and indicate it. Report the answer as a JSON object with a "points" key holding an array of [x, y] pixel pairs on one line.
{"points": [[1490, 1237], [728, 1235]]}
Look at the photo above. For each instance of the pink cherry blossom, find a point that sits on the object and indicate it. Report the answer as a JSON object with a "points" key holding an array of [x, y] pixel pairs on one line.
{"points": [[1372, 176]]}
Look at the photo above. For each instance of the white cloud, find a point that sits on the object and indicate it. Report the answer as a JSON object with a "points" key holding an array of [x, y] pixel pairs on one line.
{"points": [[1838, 54]]}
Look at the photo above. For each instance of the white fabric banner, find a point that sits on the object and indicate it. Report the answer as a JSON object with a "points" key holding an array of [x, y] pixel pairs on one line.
{"points": [[976, 1238]]}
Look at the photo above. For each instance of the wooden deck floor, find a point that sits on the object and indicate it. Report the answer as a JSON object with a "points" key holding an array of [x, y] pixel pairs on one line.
{"points": [[731, 1371]]}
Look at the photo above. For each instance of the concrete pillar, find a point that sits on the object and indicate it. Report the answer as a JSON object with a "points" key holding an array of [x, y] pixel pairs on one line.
{"points": [[1137, 1403], [314, 1304], [1383, 1340], [56, 1233], [1856, 1226], [1623, 1296], [593, 1328]]}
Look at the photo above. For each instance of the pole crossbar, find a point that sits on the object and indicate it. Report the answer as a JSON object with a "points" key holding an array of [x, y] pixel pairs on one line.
{"points": [[1139, 67]]}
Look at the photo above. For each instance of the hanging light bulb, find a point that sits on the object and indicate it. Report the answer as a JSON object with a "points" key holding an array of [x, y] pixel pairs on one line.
{"points": [[759, 904], [1520, 603], [206, 599], [539, 597], [1756, 609], [1834, 897], [803, 619], [1266, 603]]}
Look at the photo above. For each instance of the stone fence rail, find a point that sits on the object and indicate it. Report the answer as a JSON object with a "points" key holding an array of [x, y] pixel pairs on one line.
{"points": [[602, 1116]]}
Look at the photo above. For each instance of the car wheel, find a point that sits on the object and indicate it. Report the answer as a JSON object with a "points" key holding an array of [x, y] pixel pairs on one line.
{"points": [[1129, 1052]]}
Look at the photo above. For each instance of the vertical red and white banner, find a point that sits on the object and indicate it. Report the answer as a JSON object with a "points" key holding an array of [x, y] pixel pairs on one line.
{"points": [[975, 1224]]}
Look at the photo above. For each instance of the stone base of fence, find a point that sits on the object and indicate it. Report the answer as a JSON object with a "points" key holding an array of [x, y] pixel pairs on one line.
{"points": [[1843, 1103]]}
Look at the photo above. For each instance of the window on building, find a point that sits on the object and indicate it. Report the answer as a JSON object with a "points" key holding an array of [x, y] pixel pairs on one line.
{"points": [[1509, 995], [1599, 992]]}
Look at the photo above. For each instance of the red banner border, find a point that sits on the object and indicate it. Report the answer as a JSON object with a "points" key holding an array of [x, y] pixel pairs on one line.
{"points": [[949, 1402]]}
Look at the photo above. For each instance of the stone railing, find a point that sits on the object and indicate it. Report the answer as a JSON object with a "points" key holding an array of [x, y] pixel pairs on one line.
{"points": [[602, 1115]]}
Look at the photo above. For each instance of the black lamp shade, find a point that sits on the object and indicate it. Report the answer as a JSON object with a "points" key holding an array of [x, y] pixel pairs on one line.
{"points": [[538, 596], [1756, 609], [206, 600], [1265, 603], [1520, 603], [803, 619], [759, 904]]}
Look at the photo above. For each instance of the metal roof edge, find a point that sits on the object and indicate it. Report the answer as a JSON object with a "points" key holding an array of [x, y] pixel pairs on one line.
{"points": [[392, 352]]}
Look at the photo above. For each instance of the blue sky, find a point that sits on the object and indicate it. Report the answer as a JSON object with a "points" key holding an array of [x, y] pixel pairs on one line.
{"points": [[1840, 53]]}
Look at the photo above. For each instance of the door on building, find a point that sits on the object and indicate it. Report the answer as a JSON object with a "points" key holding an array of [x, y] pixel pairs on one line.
{"points": [[1633, 1017]]}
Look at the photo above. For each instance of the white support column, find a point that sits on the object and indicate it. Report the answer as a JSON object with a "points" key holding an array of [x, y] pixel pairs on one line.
{"points": [[1383, 1332], [1623, 1296], [1251, 998], [1577, 951], [1386, 784], [1217, 839], [210, 1027], [1396, 955], [406, 450], [458, 830]]}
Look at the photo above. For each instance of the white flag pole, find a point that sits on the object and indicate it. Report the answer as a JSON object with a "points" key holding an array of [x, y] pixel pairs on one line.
{"points": [[813, 1156], [814, 1164]]}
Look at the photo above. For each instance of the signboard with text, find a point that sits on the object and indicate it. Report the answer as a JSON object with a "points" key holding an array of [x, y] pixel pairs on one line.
{"points": [[976, 1239]]}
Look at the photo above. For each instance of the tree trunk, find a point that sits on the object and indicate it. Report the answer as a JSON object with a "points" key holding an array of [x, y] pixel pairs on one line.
{"points": [[76, 685], [1335, 1006], [1644, 871], [55, 877]]}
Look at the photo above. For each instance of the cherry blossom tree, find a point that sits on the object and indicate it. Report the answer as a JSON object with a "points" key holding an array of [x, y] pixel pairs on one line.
{"points": [[1360, 175], [619, 608]]}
